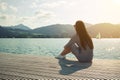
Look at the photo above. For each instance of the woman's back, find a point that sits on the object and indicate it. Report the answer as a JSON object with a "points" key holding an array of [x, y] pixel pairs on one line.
{"points": [[82, 54]]}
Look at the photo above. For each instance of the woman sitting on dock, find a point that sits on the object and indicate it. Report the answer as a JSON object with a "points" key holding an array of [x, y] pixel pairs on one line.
{"points": [[80, 44]]}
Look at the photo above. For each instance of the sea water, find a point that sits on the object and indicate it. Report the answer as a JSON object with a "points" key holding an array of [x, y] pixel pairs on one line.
{"points": [[106, 48]]}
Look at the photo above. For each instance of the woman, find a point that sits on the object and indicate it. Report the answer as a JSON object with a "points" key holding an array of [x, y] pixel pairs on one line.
{"points": [[80, 45]]}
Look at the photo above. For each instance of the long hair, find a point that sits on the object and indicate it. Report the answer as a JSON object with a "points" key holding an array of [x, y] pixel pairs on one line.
{"points": [[84, 37]]}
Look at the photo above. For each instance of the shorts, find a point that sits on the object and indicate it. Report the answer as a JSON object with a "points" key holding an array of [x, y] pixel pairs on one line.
{"points": [[82, 57]]}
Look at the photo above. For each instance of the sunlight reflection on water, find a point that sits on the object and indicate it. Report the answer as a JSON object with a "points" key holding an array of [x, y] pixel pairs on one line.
{"points": [[103, 48]]}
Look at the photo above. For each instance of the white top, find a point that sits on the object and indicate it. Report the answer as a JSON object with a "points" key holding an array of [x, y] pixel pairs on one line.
{"points": [[83, 53]]}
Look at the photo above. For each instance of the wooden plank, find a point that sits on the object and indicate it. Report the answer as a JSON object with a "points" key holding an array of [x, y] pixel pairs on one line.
{"points": [[16, 66]]}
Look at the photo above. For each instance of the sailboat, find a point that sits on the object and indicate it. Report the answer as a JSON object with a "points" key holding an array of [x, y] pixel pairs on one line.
{"points": [[98, 36]]}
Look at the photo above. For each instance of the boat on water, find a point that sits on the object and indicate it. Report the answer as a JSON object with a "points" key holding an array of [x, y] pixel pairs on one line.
{"points": [[98, 36]]}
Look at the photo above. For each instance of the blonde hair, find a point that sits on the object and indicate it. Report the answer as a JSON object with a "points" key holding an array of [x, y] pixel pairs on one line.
{"points": [[84, 37]]}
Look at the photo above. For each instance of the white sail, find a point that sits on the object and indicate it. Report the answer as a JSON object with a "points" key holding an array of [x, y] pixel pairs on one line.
{"points": [[98, 36]]}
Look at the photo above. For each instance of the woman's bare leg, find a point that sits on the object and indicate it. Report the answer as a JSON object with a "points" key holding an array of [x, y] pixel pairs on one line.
{"points": [[65, 51]]}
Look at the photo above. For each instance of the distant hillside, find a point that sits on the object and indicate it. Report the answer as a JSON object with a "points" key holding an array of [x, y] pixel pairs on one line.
{"points": [[20, 26], [60, 30], [106, 30], [55, 30], [88, 25], [8, 32]]}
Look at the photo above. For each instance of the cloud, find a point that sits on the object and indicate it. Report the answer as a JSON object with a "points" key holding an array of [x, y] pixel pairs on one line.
{"points": [[39, 18], [5, 7], [44, 14], [34, 5], [39, 15], [13, 8], [53, 4], [3, 17], [7, 19], [47, 4]]}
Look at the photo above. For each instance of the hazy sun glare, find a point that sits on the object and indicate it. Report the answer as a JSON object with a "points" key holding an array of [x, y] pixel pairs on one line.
{"points": [[116, 2], [36, 13]]}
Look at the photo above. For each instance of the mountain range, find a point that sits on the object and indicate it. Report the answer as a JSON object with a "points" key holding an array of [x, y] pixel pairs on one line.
{"points": [[106, 30]]}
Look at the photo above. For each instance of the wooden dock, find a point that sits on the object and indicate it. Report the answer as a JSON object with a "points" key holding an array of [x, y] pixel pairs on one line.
{"points": [[14, 66]]}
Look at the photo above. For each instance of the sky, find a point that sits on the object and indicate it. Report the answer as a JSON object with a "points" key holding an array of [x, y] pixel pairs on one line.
{"points": [[37, 13]]}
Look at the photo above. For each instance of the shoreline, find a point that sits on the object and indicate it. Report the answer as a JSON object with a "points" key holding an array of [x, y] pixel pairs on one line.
{"points": [[52, 56], [20, 66]]}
